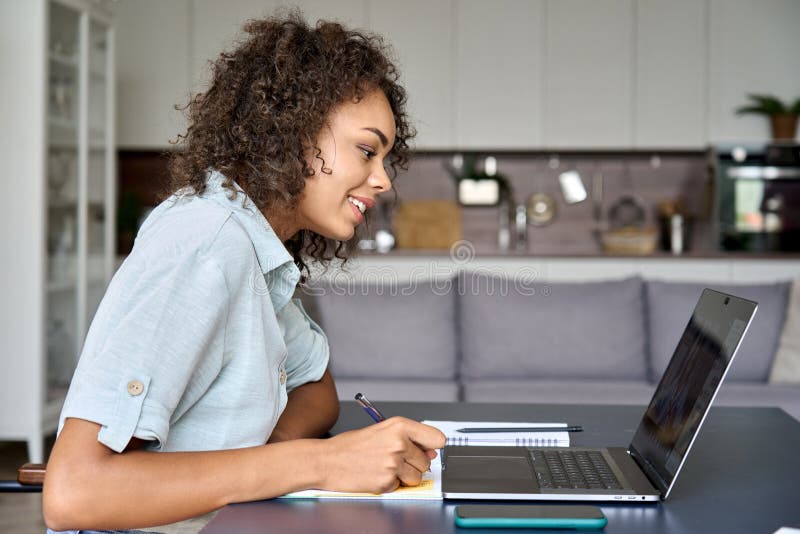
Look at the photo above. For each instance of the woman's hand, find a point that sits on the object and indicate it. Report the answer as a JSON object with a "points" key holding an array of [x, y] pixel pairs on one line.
{"points": [[380, 457]]}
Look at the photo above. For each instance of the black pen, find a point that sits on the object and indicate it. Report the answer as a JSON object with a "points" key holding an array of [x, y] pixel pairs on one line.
{"points": [[370, 408], [485, 430]]}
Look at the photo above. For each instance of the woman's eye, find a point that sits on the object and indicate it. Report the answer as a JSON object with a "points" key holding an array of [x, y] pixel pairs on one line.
{"points": [[367, 152]]}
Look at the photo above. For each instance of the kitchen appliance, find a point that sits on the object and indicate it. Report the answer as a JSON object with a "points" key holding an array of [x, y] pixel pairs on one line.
{"points": [[757, 204]]}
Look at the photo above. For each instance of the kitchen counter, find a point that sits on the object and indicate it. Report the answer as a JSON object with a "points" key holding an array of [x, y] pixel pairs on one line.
{"points": [[713, 267], [494, 253]]}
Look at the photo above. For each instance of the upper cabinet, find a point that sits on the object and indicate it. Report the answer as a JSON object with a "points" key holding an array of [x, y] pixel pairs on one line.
{"points": [[498, 82], [506, 74], [754, 49], [670, 74], [588, 74], [153, 71], [421, 35]]}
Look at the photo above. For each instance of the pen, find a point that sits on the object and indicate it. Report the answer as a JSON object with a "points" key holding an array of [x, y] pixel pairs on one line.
{"points": [[484, 430], [370, 408]]}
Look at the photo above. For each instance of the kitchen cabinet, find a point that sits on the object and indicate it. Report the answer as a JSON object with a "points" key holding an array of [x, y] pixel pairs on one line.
{"points": [[421, 34], [670, 104], [153, 75], [498, 78], [510, 74], [165, 52], [588, 73], [215, 25], [56, 220], [753, 49]]}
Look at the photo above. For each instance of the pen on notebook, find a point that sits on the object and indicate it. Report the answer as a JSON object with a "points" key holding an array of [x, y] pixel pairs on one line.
{"points": [[370, 408], [485, 430]]}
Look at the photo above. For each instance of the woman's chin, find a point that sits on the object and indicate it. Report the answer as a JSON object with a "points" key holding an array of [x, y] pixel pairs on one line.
{"points": [[343, 234]]}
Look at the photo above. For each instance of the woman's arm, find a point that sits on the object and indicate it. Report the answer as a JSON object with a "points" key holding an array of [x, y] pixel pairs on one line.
{"points": [[88, 486], [312, 410]]}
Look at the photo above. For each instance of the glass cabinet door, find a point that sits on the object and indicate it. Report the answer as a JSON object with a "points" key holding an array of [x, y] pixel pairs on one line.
{"points": [[63, 116], [99, 166]]}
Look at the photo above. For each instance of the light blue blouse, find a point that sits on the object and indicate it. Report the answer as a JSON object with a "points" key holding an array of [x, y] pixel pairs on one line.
{"points": [[197, 339]]}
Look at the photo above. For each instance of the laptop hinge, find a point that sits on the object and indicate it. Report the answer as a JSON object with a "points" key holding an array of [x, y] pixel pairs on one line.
{"points": [[649, 471]]}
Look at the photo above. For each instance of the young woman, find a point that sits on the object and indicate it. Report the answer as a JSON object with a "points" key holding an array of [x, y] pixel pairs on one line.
{"points": [[201, 382]]}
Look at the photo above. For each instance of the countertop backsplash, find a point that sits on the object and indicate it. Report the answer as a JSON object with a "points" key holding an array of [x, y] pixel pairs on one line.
{"points": [[652, 177]]}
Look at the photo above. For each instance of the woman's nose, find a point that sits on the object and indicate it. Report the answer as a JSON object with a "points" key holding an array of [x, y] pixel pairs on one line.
{"points": [[380, 181]]}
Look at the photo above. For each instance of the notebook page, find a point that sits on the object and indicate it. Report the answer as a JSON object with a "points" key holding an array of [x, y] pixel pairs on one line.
{"points": [[519, 439], [430, 488]]}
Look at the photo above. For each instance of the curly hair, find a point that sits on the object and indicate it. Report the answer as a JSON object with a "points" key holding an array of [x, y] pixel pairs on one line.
{"points": [[265, 105]]}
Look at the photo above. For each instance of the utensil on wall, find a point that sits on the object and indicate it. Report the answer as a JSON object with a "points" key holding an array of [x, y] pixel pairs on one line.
{"points": [[572, 187], [541, 209], [628, 211]]}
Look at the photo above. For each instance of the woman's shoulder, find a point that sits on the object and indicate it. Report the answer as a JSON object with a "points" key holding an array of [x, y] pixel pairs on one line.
{"points": [[190, 226]]}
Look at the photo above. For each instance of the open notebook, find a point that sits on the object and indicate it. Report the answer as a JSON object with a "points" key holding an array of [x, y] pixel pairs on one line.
{"points": [[431, 486]]}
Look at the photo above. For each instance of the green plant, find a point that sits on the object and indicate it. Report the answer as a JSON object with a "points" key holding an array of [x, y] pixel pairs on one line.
{"points": [[768, 105]]}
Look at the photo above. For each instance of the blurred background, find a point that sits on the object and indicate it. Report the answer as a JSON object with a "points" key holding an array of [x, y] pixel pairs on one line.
{"points": [[584, 139]]}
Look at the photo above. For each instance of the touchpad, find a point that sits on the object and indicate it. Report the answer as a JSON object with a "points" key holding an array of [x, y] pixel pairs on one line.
{"points": [[487, 467]]}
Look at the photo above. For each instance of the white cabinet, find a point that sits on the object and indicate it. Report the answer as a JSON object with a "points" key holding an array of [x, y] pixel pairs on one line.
{"points": [[421, 34], [216, 26], [670, 92], [56, 220], [498, 79], [508, 74], [153, 61], [754, 49], [588, 73]]}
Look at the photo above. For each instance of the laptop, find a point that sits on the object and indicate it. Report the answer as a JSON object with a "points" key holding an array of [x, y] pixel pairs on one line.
{"points": [[648, 468]]}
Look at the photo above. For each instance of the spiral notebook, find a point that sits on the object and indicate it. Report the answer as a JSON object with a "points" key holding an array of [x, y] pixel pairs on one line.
{"points": [[555, 438]]}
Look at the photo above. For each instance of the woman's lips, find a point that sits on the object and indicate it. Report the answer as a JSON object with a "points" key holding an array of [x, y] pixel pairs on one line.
{"points": [[359, 215]]}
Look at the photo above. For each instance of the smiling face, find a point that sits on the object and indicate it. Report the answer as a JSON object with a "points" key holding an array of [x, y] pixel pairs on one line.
{"points": [[358, 137]]}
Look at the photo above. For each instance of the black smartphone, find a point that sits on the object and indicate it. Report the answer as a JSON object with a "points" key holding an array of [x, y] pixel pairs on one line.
{"points": [[530, 516]]}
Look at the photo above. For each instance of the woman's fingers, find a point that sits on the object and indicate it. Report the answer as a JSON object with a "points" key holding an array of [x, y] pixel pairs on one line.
{"points": [[426, 436], [409, 475], [417, 458]]}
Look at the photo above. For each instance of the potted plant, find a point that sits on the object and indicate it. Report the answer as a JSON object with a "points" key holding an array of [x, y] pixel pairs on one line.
{"points": [[783, 117]]}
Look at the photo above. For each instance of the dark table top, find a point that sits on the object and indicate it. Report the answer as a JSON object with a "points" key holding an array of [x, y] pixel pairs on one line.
{"points": [[741, 476]]}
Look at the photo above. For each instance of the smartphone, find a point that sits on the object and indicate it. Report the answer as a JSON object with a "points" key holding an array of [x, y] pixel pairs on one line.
{"points": [[530, 516]]}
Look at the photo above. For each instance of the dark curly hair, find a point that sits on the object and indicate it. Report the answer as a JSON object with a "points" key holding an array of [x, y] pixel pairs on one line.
{"points": [[266, 103]]}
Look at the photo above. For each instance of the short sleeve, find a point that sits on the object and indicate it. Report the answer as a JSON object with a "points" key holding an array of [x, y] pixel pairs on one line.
{"points": [[156, 341], [306, 344]]}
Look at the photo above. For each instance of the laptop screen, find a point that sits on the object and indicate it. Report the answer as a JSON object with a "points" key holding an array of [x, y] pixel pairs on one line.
{"points": [[689, 384]]}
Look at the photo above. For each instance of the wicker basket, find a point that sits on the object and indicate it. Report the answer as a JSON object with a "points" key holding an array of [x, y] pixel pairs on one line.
{"points": [[632, 241]]}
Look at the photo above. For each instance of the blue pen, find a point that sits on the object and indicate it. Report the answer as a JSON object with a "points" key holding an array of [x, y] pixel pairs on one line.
{"points": [[370, 408]]}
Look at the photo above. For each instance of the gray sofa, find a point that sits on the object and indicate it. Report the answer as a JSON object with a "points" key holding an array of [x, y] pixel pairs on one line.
{"points": [[483, 338]]}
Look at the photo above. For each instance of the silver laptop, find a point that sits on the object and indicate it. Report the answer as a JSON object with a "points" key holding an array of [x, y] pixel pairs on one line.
{"points": [[648, 468]]}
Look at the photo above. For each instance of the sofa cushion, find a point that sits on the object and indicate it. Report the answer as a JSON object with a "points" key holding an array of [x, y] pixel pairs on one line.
{"points": [[565, 330], [560, 391], [786, 366], [390, 331], [398, 389], [670, 306]]}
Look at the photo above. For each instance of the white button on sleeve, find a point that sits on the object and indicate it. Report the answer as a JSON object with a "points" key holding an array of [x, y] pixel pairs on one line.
{"points": [[135, 387]]}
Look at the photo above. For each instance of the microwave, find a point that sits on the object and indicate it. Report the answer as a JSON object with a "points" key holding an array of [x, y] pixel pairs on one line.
{"points": [[757, 197]]}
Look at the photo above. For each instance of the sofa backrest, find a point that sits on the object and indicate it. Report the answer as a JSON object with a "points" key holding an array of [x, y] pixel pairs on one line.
{"points": [[390, 331], [479, 326], [670, 305], [590, 330]]}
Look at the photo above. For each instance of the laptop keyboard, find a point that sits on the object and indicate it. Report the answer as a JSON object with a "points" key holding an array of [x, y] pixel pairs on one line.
{"points": [[556, 469]]}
